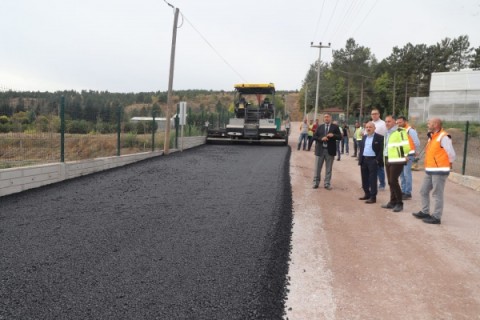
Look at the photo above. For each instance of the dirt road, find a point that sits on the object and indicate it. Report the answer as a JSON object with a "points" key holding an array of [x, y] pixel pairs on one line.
{"points": [[352, 260]]}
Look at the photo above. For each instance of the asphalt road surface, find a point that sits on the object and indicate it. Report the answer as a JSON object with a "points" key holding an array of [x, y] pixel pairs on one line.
{"points": [[203, 234]]}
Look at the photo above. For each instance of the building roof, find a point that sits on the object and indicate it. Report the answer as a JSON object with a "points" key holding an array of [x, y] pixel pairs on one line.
{"points": [[150, 118]]}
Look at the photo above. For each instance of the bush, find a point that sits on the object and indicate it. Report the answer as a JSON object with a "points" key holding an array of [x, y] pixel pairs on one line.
{"points": [[130, 140], [130, 127], [5, 127], [4, 120], [42, 124], [78, 126]]}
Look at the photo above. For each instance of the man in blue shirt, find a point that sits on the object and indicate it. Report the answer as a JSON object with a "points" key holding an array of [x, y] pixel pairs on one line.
{"points": [[370, 158]]}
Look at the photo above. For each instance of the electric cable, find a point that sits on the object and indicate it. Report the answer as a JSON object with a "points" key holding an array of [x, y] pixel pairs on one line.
{"points": [[206, 41], [359, 26], [215, 50], [318, 21], [330, 20], [355, 7]]}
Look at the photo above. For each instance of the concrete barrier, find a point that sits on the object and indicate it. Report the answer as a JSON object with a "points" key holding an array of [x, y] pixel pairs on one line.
{"points": [[467, 181], [15, 180]]}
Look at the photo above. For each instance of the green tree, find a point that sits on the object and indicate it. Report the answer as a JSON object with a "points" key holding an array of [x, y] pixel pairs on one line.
{"points": [[475, 63], [351, 65], [461, 53]]}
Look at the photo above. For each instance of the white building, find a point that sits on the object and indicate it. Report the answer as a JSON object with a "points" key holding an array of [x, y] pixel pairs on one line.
{"points": [[454, 96], [160, 121]]}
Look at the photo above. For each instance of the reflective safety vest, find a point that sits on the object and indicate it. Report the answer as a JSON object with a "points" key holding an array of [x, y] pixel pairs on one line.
{"points": [[310, 129], [398, 146], [410, 141], [436, 158], [358, 134]]}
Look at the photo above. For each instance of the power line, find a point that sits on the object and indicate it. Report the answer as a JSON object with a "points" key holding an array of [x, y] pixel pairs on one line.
{"points": [[374, 4], [318, 21], [355, 8], [213, 48], [328, 24], [184, 18], [169, 4]]}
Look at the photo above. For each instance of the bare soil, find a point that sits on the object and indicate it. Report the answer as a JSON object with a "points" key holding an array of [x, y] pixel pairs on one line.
{"points": [[352, 260]]}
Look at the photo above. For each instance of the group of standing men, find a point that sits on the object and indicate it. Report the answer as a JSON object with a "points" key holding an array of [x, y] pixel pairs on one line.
{"points": [[389, 147]]}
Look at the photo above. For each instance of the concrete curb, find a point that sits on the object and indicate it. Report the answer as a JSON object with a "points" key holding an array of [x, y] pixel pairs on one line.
{"points": [[15, 180], [467, 181]]}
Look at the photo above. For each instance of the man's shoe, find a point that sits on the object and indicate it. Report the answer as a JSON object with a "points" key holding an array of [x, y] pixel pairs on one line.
{"points": [[398, 208], [381, 188], [315, 186], [420, 215], [364, 198], [388, 206], [406, 196], [371, 200], [431, 220], [328, 187], [354, 155]]}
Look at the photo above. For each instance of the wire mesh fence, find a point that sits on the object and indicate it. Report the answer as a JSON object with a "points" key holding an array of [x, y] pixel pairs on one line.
{"points": [[19, 149], [466, 142], [26, 149]]}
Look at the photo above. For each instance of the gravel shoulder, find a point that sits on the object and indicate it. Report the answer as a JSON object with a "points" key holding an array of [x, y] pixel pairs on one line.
{"points": [[352, 260]]}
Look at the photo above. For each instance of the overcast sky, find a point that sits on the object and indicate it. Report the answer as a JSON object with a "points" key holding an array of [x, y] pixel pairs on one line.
{"points": [[124, 46]]}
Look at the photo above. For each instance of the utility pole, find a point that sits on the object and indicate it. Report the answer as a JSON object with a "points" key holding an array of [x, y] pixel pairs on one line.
{"points": [[166, 147], [305, 107], [394, 90], [319, 46], [348, 96], [361, 104]]}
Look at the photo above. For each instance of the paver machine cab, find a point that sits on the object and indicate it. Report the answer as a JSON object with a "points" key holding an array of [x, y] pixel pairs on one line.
{"points": [[255, 118]]}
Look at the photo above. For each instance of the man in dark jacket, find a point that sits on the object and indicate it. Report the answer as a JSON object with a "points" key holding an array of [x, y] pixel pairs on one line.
{"points": [[370, 158], [325, 136]]}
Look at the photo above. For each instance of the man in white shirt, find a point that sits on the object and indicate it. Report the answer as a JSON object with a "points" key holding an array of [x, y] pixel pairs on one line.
{"points": [[380, 128]]}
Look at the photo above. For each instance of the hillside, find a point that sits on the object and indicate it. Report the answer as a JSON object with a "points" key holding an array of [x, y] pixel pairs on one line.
{"points": [[293, 106]]}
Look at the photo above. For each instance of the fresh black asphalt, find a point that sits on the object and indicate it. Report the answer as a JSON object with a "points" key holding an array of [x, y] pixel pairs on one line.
{"points": [[199, 234]]}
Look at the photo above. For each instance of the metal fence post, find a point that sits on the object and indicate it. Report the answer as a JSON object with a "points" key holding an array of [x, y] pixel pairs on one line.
{"points": [[62, 129], [153, 131], [465, 145], [119, 128], [176, 126]]}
